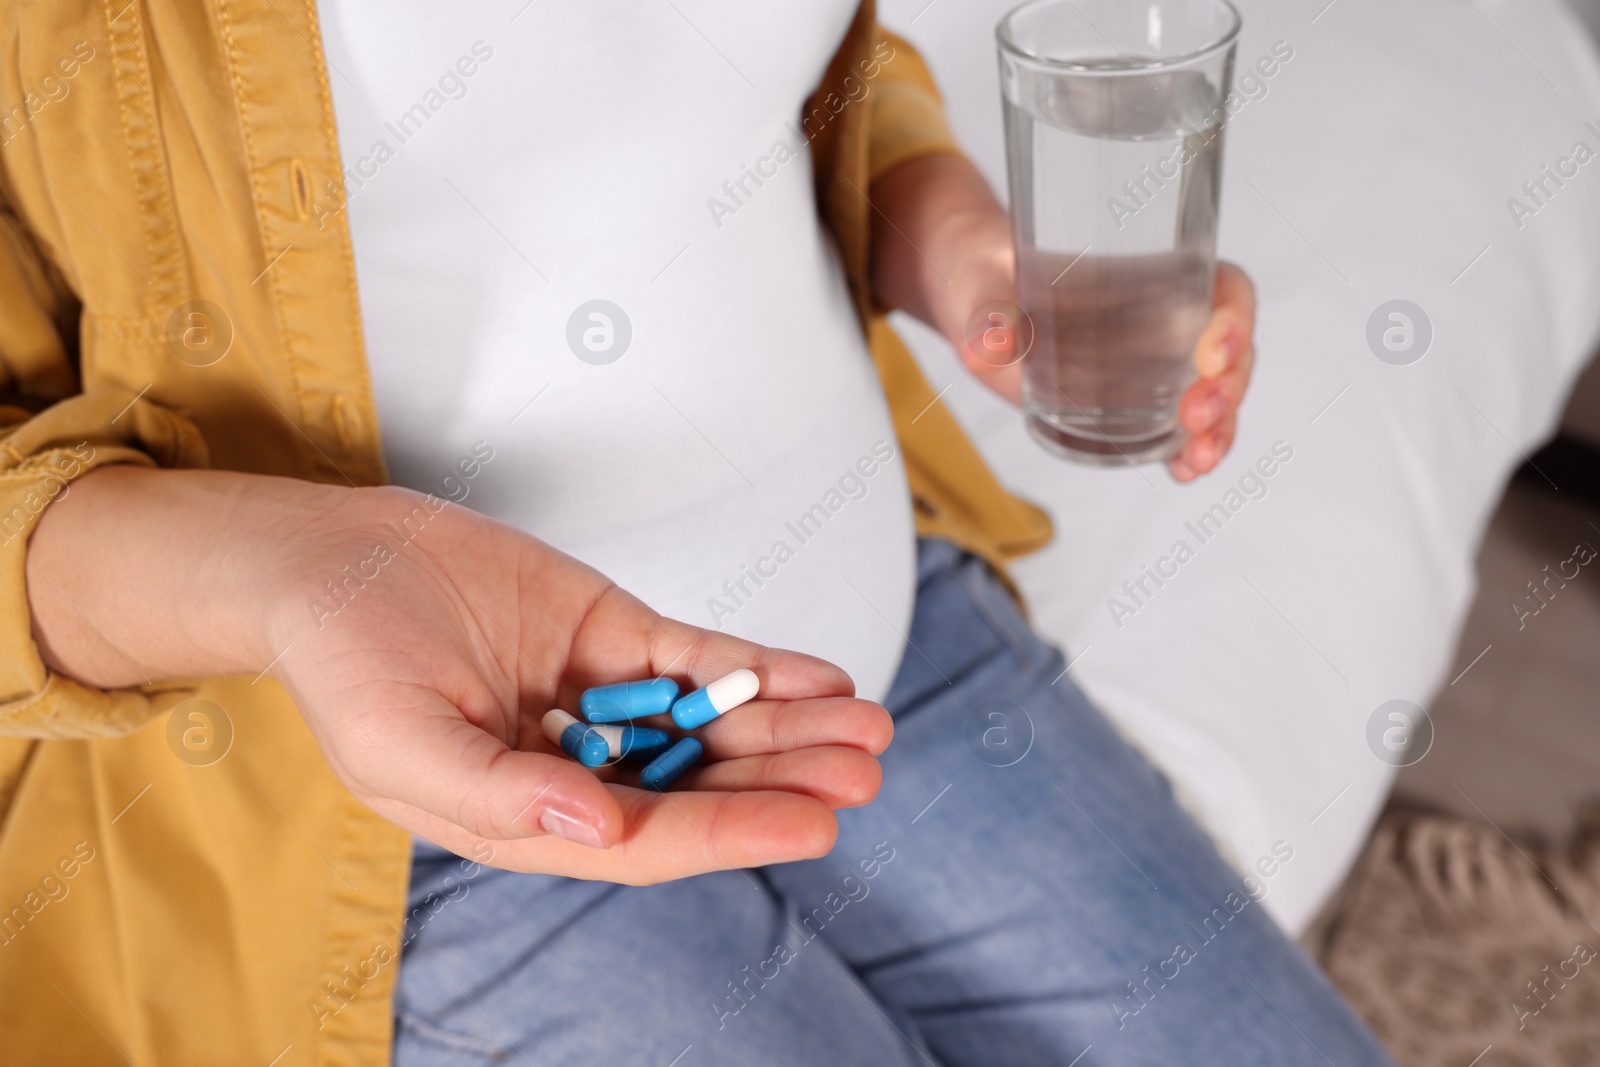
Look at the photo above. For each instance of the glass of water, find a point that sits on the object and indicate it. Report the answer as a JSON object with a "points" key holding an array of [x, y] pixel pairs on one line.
{"points": [[1114, 113]]}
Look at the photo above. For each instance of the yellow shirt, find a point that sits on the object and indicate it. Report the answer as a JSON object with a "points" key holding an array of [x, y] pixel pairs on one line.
{"points": [[182, 880]]}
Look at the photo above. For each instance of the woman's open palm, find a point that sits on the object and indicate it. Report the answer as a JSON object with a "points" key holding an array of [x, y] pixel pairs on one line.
{"points": [[425, 684]]}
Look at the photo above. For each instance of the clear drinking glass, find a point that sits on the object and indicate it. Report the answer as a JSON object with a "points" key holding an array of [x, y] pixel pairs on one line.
{"points": [[1114, 113]]}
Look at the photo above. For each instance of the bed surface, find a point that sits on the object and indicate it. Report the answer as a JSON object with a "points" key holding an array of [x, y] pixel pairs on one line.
{"points": [[1376, 165]]}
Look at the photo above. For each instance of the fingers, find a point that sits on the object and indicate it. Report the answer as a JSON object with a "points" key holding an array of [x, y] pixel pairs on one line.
{"points": [[620, 639], [823, 748], [1180, 468], [458, 780], [1209, 402], [838, 777], [674, 835], [702, 656], [765, 727], [422, 753], [993, 350], [1208, 411], [1202, 452], [665, 836], [819, 748], [1225, 358], [1233, 320]]}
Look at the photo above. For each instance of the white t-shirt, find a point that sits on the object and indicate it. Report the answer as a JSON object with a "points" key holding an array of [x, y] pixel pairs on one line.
{"points": [[587, 248]]}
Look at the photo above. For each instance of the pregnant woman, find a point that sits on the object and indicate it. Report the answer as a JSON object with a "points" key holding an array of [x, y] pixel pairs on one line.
{"points": [[381, 376]]}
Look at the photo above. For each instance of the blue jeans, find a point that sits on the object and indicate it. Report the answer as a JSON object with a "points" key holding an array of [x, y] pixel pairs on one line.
{"points": [[1023, 891]]}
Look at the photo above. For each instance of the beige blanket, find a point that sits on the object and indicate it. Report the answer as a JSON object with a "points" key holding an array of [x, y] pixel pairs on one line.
{"points": [[1463, 949]]}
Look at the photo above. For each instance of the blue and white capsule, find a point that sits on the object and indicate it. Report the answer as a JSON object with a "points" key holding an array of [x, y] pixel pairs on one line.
{"points": [[628, 700], [671, 764], [577, 739], [718, 698], [639, 742]]}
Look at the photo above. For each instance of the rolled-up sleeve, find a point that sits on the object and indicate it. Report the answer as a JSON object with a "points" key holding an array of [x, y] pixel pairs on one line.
{"points": [[51, 433], [907, 110]]}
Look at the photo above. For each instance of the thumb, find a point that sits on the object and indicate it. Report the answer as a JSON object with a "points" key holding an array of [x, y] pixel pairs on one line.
{"points": [[433, 759], [998, 336]]}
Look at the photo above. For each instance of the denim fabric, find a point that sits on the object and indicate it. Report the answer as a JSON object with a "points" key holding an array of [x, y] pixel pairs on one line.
{"points": [[1023, 891]]}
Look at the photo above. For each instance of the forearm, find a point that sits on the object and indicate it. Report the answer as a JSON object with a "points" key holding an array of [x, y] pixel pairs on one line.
{"points": [[940, 240], [138, 575]]}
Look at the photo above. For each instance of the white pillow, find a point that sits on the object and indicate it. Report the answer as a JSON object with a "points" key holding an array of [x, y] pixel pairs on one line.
{"points": [[1376, 164]]}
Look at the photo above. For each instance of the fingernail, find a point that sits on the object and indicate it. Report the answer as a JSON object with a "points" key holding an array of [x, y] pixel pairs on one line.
{"points": [[568, 828], [1216, 358]]}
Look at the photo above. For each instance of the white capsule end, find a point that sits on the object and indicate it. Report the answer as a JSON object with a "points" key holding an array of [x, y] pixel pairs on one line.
{"points": [[555, 724], [613, 736], [729, 692]]}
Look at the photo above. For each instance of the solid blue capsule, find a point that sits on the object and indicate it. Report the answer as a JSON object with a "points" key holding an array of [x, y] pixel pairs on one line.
{"points": [[577, 739], [671, 764], [722, 695], [628, 700], [639, 742]]}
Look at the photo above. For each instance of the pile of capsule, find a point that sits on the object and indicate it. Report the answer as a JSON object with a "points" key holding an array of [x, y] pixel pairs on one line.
{"points": [[600, 740]]}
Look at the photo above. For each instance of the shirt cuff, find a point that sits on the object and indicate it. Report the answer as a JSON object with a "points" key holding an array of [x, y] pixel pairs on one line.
{"points": [[907, 110], [40, 457]]}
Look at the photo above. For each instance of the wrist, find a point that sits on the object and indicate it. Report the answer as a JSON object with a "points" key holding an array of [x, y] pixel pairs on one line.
{"points": [[318, 554], [138, 575], [942, 242], [254, 565]]}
